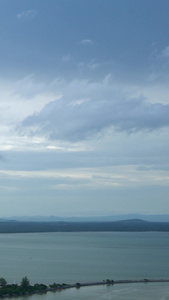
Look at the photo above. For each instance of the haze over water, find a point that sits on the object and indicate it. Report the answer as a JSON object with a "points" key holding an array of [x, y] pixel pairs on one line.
{"points": [[87, 257]]}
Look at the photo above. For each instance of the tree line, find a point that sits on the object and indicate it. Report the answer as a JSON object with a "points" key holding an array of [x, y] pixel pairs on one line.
{"points": [[7, 290]]}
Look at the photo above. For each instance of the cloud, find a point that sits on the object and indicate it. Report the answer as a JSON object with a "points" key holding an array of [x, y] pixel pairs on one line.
{"points": [[86, 41], [122, 176], [88, 108], [8, 188], [27, 14], [66, 58], [165, 52], [19, 99]]}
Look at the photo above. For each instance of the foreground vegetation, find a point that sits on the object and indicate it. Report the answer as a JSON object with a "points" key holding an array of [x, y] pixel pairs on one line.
{"points": [[7, 290], [25, 288], [15, 290]]}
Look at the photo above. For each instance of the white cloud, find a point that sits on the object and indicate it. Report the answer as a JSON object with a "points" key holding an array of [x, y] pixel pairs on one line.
{"points": [[8, 188], [86, 42], [107, 106], [19, 99], [27, 14], [55, 113], [66, 58], [49, 116], [122, 176]]}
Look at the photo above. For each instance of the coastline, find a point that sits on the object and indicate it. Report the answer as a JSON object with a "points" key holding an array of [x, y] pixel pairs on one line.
{"points": [[63, 286], [112, 282]]}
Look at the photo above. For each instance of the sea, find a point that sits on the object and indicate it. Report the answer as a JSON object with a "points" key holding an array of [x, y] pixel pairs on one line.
{"points": [[88, 257]]}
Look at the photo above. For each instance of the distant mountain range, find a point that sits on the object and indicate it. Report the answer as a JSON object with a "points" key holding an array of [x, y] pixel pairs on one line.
{"points": [[150, 218], [133, 225]]}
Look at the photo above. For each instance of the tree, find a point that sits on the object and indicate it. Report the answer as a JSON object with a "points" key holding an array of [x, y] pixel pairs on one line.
{"points": [[25, 282], [108, 281], [3, 282]]}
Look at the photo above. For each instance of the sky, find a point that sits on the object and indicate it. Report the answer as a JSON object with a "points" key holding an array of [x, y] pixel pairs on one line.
{"points": [[84, 107]]}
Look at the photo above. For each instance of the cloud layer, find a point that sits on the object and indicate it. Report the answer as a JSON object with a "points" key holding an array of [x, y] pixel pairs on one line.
{"points": [[88, 108]]}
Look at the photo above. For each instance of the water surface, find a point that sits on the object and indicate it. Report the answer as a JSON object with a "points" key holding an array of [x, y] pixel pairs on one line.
{"points": [[81, 257]]}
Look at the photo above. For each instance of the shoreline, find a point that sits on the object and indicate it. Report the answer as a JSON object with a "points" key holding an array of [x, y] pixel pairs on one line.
{"points": [[63, 286], [112, 282], [106, 282]]}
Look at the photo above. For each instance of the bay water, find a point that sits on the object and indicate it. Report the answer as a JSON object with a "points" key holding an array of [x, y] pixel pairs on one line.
{"points": [[87, 257]]}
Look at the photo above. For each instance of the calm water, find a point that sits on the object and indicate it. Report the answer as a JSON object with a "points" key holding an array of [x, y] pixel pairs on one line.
{"points": [[81, 257]]}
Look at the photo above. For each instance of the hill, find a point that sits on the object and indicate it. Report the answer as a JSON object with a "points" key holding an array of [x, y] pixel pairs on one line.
{"points": [[111, 218], [133, 225]]}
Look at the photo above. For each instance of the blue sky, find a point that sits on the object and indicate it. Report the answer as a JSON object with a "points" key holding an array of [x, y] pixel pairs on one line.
{"points": [[84, 107]]}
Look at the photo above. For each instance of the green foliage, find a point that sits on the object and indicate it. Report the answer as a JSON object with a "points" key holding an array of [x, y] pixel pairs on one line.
{"points": [[40, 287], [108, 281], [55, 285], [78, 285], [25, 282], [24, 288], [3, 282]]}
